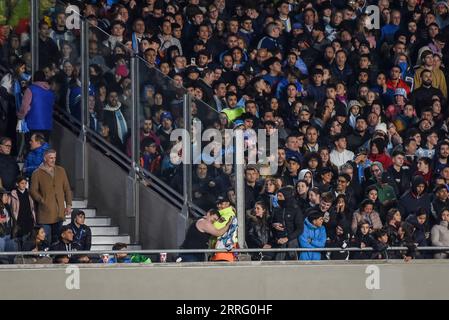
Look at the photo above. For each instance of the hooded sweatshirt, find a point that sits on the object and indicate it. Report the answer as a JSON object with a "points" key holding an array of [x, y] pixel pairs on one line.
{"points": [[410, 202], [289, 215]]}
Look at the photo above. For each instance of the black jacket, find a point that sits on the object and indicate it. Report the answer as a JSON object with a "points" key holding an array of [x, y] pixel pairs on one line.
{"points": [[290, 215], [399, 181], [61, 246], [82, 236], [9, 170]]}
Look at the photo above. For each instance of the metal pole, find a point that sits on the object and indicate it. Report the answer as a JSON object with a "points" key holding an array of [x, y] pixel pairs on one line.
{"points": [[35, 36], [186, 171], [84, 103], [187, 165], [135, 154], [240, 185]]}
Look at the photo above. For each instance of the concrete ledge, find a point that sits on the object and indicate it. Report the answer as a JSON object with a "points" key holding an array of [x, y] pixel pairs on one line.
{"points": [[419, 279]]}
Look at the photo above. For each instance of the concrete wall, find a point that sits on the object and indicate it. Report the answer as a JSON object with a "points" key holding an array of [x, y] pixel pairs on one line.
{"points": [[243, 280]]}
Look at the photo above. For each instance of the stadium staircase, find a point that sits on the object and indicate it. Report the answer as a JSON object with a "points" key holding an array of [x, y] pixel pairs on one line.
{"points": [[104, 234]]}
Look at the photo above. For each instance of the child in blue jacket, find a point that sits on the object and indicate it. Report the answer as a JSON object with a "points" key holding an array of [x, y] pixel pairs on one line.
{"points": [[313, 236]]}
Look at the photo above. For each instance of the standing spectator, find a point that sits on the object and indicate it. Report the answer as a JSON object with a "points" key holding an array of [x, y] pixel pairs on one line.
{"points": [[366, 213], [440, 234], [340, 155], [22, 206], [9, 170], [362, 239], [437, 77], [398, 174], [50, 188], [37, 107], [48, 50], [82, 235], [36, 155], [440, 201], [199, 234], [314, 236], [259, 233], [6, 225], [113, 117], [415, 198], [287, 222]]}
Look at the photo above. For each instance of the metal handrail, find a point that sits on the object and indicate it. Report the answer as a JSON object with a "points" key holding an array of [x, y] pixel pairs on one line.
{"points": [[256, 250]]}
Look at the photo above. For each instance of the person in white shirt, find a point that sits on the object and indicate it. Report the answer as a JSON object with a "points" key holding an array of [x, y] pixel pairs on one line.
{"points": [[340, 155]]}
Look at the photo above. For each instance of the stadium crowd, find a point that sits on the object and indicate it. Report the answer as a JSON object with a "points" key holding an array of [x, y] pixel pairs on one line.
{"points": [[361, 113]]}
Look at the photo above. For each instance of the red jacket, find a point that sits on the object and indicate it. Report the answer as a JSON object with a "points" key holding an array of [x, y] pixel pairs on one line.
{"points": [[382, 158]]}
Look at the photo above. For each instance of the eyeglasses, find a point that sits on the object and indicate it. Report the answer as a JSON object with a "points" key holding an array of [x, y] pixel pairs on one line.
{"points": [[341, 181], [7, 145]]}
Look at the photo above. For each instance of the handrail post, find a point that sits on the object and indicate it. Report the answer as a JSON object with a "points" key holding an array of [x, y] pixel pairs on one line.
{"points": [[84, 102], [240, 186], [135, 154], [34, 36]]}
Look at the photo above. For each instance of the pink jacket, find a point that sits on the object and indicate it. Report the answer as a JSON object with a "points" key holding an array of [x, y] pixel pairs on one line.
{"points": [[15, 205]]}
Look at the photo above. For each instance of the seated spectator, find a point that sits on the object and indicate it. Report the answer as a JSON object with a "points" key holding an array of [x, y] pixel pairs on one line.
{"points": [[36, 155], [35, 242], [120, 257], [82, 234], [380, 244], [313, 236], [66, 243]]}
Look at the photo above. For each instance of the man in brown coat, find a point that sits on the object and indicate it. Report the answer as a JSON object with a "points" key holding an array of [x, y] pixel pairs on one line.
{"points": [[50, 188]]}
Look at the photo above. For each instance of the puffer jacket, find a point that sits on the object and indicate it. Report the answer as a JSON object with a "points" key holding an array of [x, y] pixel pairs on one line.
{"points": [[312, 237], [440, 234], [258, 232], [34, 159]]}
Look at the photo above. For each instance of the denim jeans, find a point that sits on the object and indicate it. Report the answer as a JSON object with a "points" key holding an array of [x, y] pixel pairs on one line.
{"points": [[52, 231]]}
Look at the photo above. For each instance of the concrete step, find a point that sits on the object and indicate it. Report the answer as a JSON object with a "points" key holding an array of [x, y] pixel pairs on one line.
{"points": [[105, 231], [109, 247], [111, 239], [98, 221], [76, 204]]}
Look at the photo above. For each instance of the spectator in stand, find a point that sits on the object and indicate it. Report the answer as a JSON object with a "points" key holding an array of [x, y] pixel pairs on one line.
{"points": [[66, 243], [313, 236], [23, 211], [82, 235], [9, 170], [440, 234], [287, 222], [366, 213], [415, 198], [35, 157], [36, 111], [259, 234], [51, 191]]}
